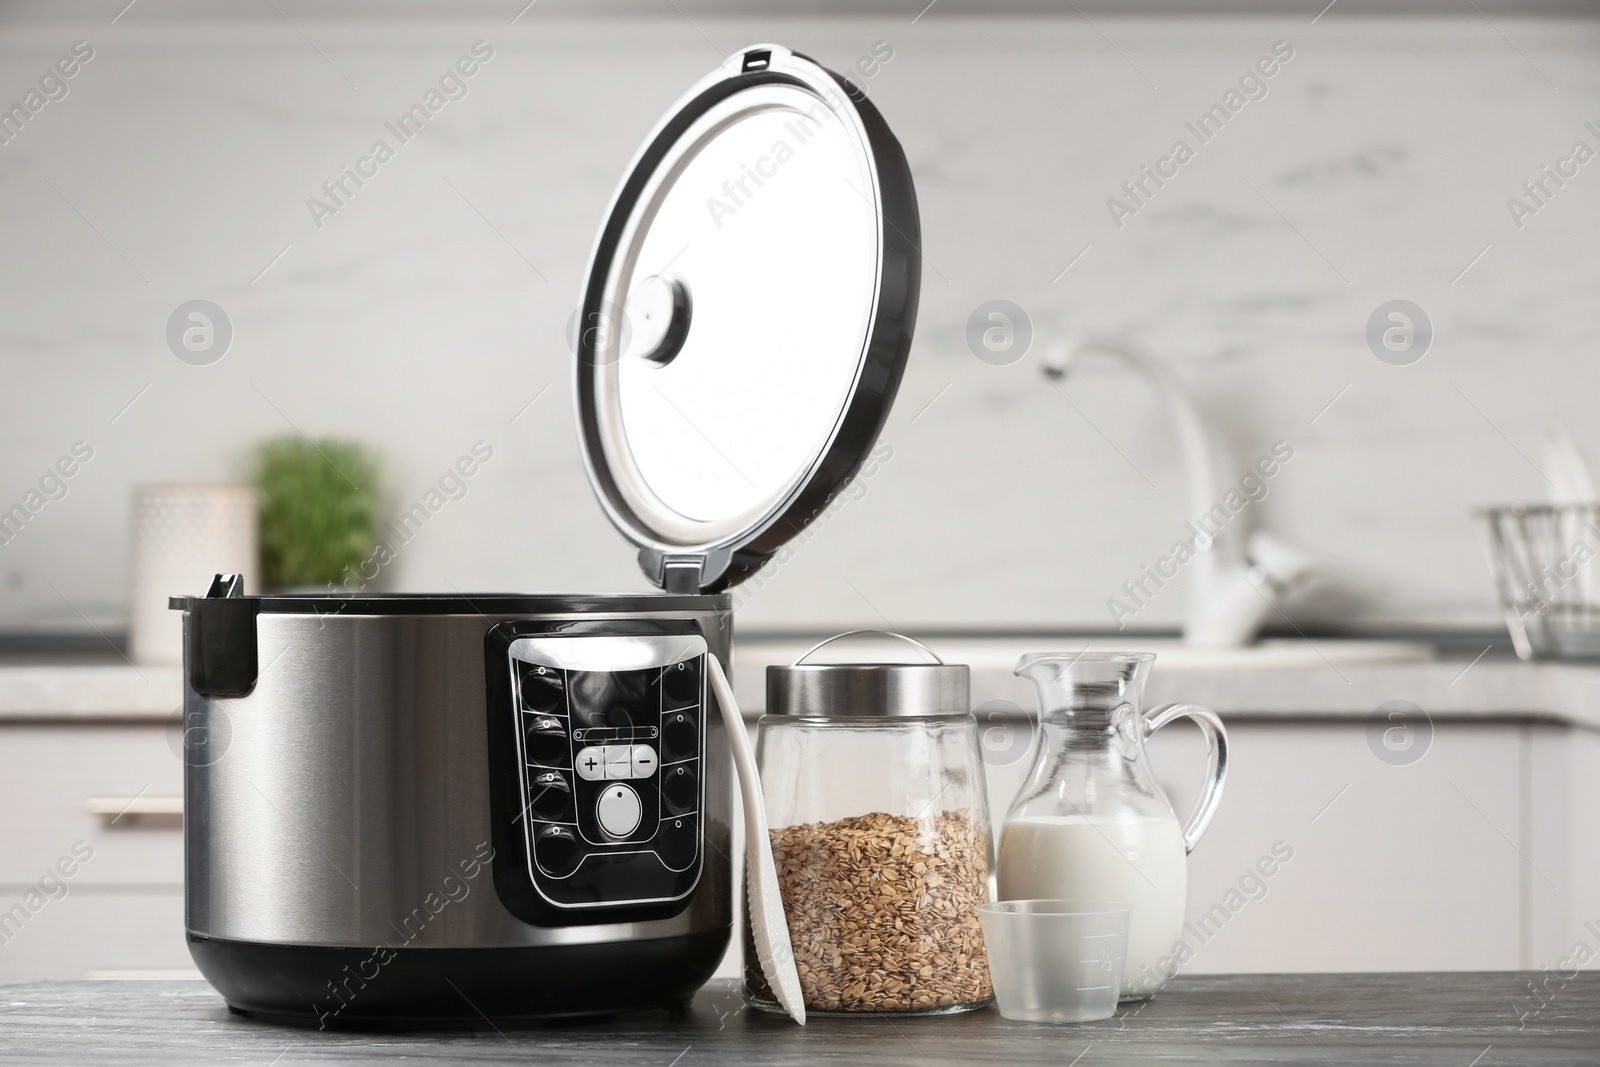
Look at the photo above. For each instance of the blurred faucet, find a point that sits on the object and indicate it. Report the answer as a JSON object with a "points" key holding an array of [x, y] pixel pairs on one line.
{"points": [[1237, 580]]}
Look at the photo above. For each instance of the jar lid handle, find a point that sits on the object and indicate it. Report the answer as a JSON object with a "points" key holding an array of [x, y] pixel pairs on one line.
{"points": [[853, 633]]}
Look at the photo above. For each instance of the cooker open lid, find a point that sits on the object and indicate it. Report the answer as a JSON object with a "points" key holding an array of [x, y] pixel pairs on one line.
{"points": [[747, 316]]}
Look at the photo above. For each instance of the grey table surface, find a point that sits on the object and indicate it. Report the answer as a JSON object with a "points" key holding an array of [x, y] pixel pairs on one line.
{"points": [[1450, 1020]]}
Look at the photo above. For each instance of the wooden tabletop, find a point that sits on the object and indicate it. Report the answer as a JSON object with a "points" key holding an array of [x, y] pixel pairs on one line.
{"points": [[1450, 1020]]}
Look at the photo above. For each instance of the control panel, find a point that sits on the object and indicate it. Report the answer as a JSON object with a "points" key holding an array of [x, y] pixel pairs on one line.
{"points": [[610, 744]]}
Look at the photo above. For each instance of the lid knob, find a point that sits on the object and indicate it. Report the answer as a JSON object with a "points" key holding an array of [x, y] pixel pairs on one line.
{"points": [[659, 312]]}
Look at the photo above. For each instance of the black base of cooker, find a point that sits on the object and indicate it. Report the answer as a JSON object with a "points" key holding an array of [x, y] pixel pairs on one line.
{"points": [[454, 988]]}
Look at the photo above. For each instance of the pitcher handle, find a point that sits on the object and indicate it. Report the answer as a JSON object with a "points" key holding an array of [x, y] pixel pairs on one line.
{"points": [[1216, 761]]}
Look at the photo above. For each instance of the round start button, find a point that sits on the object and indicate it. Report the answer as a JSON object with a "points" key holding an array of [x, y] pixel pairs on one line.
{"points": [[618, 810]]}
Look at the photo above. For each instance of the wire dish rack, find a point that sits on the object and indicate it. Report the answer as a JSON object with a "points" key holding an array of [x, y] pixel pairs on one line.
{"points": [[1546, 564]]}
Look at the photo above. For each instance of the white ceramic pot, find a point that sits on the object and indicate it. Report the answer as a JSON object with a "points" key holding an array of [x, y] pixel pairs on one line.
{"points": [[182, 536]]}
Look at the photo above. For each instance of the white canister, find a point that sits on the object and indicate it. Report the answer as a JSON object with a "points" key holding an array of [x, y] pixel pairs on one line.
{"points": [[183, 535]]}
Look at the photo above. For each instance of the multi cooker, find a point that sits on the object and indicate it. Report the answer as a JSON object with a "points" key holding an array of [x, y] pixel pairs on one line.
{"points": [[429, 809]]}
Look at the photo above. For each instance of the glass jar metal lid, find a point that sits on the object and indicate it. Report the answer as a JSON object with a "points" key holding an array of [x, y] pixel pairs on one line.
{"points": [[869, 690]]}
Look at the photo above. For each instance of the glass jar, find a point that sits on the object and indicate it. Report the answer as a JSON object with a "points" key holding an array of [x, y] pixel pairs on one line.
{"points": [[879, 822]]}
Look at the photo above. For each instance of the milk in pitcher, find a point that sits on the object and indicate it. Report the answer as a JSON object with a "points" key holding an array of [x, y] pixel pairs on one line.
{"points": [[1126, 858]]}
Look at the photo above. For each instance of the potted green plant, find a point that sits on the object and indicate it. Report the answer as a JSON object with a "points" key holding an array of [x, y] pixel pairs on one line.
{"points": [[319, 510]]}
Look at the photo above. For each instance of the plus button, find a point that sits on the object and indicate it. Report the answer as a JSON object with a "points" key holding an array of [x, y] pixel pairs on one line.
{"points": [[591, 763]]}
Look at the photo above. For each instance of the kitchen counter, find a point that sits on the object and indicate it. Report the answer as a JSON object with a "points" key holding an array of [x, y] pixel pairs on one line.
{"points": [[1455, 1020], [1275, 679], [92, 691], [1323, 681]]}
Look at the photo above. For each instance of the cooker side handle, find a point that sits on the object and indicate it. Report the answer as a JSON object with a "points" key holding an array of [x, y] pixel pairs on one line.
{"points": [[220, 639]]}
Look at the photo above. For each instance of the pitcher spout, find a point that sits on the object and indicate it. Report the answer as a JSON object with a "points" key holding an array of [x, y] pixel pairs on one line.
{"points": [[1084, 686]]}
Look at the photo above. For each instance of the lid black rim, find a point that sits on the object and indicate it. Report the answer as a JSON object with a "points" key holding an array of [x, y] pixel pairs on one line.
{"points": [[489, 604], [734, 558]]}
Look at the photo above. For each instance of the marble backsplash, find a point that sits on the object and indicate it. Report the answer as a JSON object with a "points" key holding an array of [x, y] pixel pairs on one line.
{"points": [[427, 313]]}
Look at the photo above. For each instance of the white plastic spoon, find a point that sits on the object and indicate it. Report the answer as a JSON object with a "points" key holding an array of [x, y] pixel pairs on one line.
{"points": [[768, 921]]}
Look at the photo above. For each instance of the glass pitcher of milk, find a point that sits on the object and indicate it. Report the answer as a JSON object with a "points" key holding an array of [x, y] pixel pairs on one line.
{"points": [[1091, 822]]}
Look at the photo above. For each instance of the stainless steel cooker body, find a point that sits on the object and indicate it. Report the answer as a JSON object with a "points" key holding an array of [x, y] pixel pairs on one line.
{"points": [[345, 856]]}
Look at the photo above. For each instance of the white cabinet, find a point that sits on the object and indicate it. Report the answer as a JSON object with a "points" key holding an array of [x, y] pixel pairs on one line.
{"points": [[1394, 868], [1562, 826], [83, 893], [101, 932], [1482, 855]]}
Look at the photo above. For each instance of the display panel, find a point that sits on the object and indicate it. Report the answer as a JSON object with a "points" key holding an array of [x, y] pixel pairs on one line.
{"points": [[609, 746]]}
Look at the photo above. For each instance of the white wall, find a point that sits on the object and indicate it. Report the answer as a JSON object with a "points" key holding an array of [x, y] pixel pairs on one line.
{"points": [[411, 322]]}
